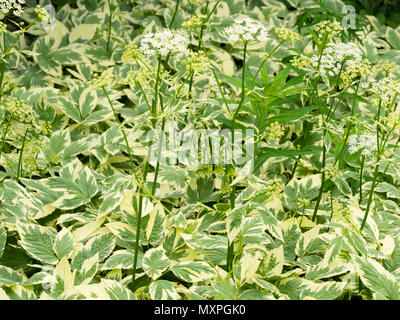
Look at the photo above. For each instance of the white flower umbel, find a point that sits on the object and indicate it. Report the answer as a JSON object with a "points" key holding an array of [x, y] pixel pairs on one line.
{"points": [[366, 143], [337, 56], [161, 43], [246, 30], [385, 90], [14, 6]]}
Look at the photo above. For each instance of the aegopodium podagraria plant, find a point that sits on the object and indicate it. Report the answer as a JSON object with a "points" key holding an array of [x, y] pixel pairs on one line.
{"points": [[160, 45], [93, 206], [342, 65]]}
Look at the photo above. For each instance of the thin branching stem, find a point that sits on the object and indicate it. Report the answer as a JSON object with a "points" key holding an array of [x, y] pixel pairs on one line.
{"points": [[361, 178], [19, 167]]}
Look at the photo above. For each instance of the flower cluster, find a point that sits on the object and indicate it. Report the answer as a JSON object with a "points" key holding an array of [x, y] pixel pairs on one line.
{"points": [[102, 80], [336, 56], [42, 14], [301, 62], [386, 67], [275, 132], [332, 172], [18, 109], [8, 83], [195, 22], [3, 27], [385, 90], [161, 43], [141, 75], [131, 52], [366, 143], [393, 121], [15, 6], [362, 70], [328, 28], [55, 159], [32, 147], [196, 61], [286, 35], [246, 30], [44, 127], [274, 188]]}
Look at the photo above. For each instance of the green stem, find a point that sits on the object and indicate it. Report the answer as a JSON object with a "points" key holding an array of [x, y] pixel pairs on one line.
{"points": [[122, 130], [192, 74], [376, 171], [109, 26], [144, 96], [203, 25], [19, 168], [3, 139], [212, 10], [137, 239], [174, 16], [18, 36], [229, 257], [2, 70], [146, 169], [216, 78], [253, 80], [331, 198], [4, 37], [321, 189], [156, 88], [153, 189], [303, 144], [394, 149], [361, 175], [243, 94], [348, 126], [371, 193]]}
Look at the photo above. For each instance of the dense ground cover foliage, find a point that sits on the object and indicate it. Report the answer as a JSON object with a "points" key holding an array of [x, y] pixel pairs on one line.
{"points": [[94, 206]]}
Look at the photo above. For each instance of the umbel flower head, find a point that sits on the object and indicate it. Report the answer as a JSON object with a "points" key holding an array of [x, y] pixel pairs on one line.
{"points": [[275, 132], [246, 30], [102, 80], [335, 57], [42, 14], [196, 61], [366, 143], [286, 35], [14, 6], [18, 109], [131, 52], [3, 27], [161, 43], [385, 90], [195, 22], [362, 70], [328, 28]]}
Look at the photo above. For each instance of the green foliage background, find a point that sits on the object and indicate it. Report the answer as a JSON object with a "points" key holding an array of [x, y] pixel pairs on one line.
{"points": [[69, 199]]}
